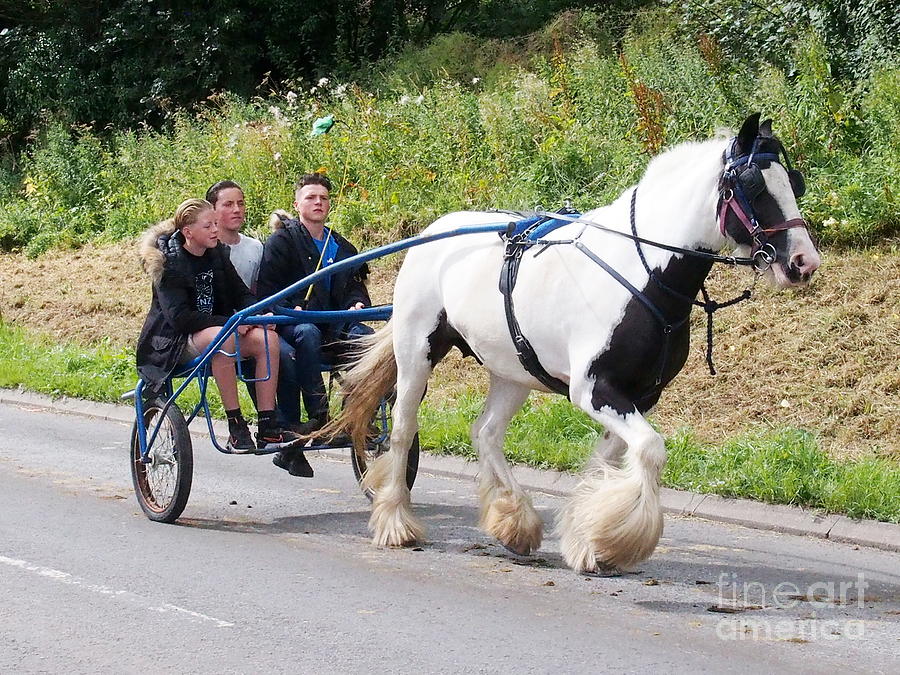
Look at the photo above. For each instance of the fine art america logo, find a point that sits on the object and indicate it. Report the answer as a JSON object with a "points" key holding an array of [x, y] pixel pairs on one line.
{"points": [[737, 597]]}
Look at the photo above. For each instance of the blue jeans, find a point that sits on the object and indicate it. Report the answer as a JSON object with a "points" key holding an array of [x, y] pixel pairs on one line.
{"points": [[301, 368]]}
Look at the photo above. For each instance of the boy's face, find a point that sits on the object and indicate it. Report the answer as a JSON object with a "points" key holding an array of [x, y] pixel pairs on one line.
{"points": [[230, 209], [204, 232], [312, 203]]}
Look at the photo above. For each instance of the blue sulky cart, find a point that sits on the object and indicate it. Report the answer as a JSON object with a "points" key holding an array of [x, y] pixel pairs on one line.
{"points": [[161, 451]]}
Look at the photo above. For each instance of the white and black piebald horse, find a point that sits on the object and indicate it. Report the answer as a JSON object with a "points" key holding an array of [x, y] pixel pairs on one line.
{"points": [[600, 324]]}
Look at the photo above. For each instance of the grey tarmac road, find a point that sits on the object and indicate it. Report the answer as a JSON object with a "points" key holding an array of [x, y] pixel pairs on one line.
{"points": [[269, 573]]}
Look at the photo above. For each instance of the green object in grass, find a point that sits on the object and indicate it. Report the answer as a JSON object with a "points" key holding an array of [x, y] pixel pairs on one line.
{"points": [[322, 125]]}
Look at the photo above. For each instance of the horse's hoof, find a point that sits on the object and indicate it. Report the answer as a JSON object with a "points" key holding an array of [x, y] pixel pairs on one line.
{"points": [[602, 572], [524, 551]]}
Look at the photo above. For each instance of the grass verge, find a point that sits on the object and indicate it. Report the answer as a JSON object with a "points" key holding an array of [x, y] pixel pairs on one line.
{"points": [[783, 466], [96, 373]]}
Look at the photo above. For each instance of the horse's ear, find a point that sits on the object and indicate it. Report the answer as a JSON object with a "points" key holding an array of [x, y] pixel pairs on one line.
{"points": [[765, 128], [748, 133]]}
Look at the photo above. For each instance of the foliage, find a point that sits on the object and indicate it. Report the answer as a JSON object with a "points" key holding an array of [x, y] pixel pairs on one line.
{"points": [[133, 62], [578, 119], [859, 36]]}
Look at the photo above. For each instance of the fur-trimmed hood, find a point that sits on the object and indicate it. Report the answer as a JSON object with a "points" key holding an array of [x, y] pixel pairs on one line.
{"points": [[279, 218], [155, 245]]}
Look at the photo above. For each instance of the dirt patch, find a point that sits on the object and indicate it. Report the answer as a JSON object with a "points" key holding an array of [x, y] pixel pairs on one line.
{"points": [[825, 359]]}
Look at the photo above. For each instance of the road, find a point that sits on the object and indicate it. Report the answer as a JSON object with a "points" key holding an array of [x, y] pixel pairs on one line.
{"points": [[270, 573]]}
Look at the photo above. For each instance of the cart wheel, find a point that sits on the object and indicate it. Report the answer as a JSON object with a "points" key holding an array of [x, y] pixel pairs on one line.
{"points": [[379, 446], [163, 485]]}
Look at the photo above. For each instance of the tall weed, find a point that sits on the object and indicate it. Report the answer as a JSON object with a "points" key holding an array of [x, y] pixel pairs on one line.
{"points": [[578, 118]]}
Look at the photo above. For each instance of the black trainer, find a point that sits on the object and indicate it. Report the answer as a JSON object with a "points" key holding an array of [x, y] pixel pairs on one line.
{"points": [[312, 425], [240, 442], [275, 438], [294, 462]]}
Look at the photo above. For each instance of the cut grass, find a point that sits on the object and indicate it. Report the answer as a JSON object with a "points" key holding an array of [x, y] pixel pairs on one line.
{"points": [[783, 466]]}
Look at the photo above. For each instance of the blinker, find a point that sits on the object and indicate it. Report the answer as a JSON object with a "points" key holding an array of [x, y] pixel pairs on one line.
{"points": [[753, 184], [798, 183], [752, 181]]}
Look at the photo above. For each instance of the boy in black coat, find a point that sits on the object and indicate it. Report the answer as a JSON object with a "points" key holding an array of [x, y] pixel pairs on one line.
{"points": [[296, 249]]}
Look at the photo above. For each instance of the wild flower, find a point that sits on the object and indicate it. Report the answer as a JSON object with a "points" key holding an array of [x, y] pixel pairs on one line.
{"points": [[277, 156], [280, 119], [291, 98], [419, 99], [340, 91], [323, 82], [476, 80], [404, 99]]}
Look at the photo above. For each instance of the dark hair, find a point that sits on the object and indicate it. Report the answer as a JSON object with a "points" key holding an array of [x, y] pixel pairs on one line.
{"points": [[313, 179], [212, 195]]}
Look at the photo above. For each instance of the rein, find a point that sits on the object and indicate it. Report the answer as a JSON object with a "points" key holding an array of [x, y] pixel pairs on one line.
{"points": [[708, 305]]}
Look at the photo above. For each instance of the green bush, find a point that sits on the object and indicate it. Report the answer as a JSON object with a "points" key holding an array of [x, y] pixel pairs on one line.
{"points": [[859, 36], [578, 122]]}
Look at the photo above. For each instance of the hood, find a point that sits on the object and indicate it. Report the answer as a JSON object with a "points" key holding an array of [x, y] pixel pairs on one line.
{"points": [[279, 219], [153, 248]]}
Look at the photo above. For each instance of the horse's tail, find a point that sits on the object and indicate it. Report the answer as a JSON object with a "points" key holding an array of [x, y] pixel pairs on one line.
{"points": [[371, 375]]}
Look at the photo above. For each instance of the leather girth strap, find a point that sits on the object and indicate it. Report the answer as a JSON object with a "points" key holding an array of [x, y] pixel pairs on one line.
{"points": [[515, 248]]}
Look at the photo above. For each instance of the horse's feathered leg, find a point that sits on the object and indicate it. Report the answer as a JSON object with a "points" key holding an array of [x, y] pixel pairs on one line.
{"points": [[392, 522], [614, 517], [506, 510], [608, 451]]}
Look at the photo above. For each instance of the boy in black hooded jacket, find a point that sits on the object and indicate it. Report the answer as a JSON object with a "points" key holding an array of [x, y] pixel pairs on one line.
{"points": [[195, 290]]}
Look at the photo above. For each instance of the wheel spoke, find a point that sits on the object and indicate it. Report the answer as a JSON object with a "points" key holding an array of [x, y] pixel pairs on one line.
{"points": [[163, 467], [163, 482]]}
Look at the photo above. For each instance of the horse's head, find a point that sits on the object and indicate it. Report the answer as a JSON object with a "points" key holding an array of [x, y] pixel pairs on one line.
{"points": [[758, 205]]}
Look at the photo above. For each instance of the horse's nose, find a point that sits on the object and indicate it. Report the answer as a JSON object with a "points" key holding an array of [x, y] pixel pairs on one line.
{"points": [[806, 263]]}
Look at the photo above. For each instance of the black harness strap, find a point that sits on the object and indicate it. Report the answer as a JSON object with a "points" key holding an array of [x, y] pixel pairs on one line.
{"points": [[515, 248]]}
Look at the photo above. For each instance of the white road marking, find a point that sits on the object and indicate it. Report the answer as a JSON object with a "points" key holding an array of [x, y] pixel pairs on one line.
{"points": [[66, 578]]}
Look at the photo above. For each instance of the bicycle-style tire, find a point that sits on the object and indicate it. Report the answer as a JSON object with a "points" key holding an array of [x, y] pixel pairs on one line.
{"points": [[163, 486]]}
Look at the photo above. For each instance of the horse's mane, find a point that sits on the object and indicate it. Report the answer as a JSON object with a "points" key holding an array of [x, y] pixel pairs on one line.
{"points": [[688, 157]]}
